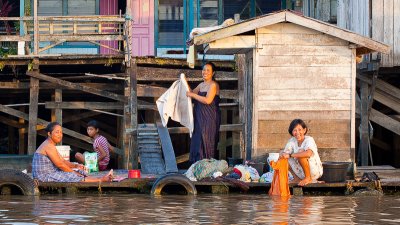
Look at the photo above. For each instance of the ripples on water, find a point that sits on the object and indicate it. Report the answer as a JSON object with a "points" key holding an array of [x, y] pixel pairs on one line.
{"points": [[202, 209]]}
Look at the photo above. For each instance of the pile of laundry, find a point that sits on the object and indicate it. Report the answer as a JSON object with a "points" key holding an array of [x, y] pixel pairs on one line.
{"points": [[212, 168]]}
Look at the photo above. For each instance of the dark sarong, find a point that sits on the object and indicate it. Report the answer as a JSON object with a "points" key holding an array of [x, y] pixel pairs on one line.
{"points": [[207, 119]]}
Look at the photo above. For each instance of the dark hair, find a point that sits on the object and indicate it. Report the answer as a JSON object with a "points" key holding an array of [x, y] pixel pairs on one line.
{"points": [[213, 67], [93, 123], [50, 126], [296, 122]]}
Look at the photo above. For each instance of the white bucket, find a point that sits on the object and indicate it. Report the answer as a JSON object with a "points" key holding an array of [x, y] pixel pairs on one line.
{"points": [[64, 151], [273, 157]]}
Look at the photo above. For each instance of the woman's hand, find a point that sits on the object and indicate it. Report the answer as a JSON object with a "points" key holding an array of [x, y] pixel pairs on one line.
{"points": [[189, 94], [284, 155], [80, 167]]}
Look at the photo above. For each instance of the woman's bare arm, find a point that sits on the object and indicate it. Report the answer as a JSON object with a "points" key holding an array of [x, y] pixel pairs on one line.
{"points": [[57, 160], [209, 97]]}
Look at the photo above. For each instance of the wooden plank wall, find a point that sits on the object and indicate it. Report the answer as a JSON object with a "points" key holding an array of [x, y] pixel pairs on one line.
{"points": [[379, 20], [301, 73]]}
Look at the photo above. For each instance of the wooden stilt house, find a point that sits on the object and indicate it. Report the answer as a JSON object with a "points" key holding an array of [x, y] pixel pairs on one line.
{"points": [[291, 66]]}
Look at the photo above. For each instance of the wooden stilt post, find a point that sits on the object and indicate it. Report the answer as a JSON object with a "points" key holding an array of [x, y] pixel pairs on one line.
{"points": [[127, 129], [56, 114], [364, 134], [33, 108], [134, 116], [130, 119], [241, 65], [236, 151], [58, 111]]}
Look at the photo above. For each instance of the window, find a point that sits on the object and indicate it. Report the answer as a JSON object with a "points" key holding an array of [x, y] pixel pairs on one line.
{"points": [[170, 23]]}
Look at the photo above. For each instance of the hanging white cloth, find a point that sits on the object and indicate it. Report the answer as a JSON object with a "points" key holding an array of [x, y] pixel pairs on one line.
{"points": [[175, 104]]}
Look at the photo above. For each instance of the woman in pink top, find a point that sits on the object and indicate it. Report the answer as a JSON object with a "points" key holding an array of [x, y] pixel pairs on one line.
{"points": [[100, 145]]}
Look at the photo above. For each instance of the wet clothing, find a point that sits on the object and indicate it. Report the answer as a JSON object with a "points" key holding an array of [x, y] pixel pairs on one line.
{"points": [[316, 169], [280, 181], [102, 141], [175, 104], [207, 119], [44, 170]]}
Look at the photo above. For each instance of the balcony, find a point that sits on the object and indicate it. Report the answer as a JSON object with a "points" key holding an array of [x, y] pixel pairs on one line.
{"points": [[108, 32]]}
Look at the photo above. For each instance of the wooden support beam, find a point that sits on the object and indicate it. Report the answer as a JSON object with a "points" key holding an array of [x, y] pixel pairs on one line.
{"points": [[387, 100], [11, 123], [133, 72], [84, 105], [48, 85], [241, 65], [81, 37], [155, 91], [80, 87], [381, 85], [81, 116], [364, 125], [56, 114], [167, 74], [385, 121], [106, 46], [223, 128], [179, 63], [33, 109], [51, 45], [381, 144], [236, 150], [44, 123]]}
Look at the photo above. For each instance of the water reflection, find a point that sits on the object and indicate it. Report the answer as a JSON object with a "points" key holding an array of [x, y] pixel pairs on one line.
{"points": [[203, 209]]}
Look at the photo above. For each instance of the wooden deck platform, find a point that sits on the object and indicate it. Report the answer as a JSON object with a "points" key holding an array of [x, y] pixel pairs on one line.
{"points": [[389, 182]]}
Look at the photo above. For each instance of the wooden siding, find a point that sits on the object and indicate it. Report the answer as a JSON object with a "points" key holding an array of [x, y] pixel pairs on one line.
{"points": [[386, 28], [378, 19], [109, 7], [354, 15], [302, 73]]}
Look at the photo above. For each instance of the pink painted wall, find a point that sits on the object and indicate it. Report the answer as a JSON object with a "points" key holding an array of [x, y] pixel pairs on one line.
{"points": [[108, 7], [143, 27]]}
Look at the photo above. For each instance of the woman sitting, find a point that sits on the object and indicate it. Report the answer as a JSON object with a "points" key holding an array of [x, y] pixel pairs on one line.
{"points": [[302, 153], [49, 166]]}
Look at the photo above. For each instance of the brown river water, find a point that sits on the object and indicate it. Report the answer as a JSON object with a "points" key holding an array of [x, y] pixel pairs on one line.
{"points": [[201, 209]]}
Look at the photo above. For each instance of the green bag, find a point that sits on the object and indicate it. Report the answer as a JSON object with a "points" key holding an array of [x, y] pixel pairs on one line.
{"points": [[91, 162]]}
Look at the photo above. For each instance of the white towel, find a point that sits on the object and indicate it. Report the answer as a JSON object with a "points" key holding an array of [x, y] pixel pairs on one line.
{"points": [[175, 104]]}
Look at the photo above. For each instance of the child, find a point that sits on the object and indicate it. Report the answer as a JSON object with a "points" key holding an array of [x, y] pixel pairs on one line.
{"points": [[100, 145]]}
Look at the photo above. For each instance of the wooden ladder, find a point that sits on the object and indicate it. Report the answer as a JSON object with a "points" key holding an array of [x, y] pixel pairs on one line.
{"points": [[155, 149]]}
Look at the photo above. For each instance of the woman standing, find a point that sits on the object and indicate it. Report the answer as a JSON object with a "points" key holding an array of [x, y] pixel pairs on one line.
{"points": [[207, 116]]}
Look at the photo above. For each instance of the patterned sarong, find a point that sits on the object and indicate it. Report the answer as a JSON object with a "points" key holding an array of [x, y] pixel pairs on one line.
{"points": [[44, 170]]}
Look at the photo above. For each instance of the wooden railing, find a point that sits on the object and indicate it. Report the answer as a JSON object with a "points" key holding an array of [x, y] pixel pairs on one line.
{"points": [[61, 29]]}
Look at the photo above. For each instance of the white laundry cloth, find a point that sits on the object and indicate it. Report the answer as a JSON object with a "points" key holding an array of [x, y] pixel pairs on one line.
{"points": [[175, 104]]}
